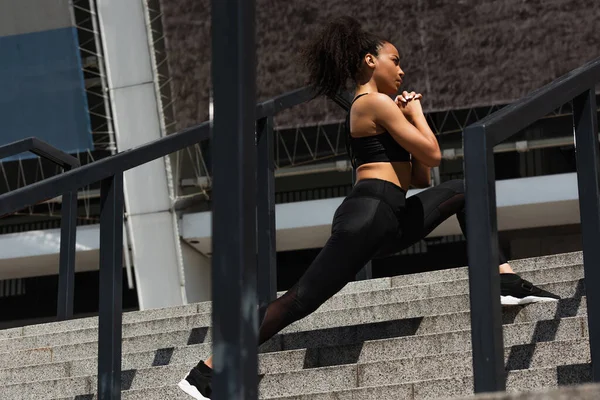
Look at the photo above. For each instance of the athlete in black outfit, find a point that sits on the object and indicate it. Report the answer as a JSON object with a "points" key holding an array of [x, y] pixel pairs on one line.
{"points": [[392, 148]]}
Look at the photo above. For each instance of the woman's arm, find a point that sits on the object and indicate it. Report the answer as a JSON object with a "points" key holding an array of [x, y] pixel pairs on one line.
{"points": [[421, 144], [420, 174]]}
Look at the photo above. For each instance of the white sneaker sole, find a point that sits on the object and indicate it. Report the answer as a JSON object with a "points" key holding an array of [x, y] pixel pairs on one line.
{"points": [[191, 390], [515, 301]]}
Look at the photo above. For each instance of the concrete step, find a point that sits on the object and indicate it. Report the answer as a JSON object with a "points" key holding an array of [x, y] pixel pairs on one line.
{"points": [[585, 391], [160, 313], [320, 323], [400, 371], [360, 324], [547, 279], [416, 370], [345, 351], [519, 386], [520, 266], [534, 379]]}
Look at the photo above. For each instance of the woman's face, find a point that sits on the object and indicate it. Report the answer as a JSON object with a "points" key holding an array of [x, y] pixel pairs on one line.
{"points": [[387, 72]]}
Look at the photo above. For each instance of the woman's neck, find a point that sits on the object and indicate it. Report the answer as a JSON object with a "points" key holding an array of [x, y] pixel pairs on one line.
{"points": [[369, 87]]}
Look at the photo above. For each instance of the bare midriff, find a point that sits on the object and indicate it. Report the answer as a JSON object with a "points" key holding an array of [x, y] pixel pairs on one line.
{"points": [[397, 172]]}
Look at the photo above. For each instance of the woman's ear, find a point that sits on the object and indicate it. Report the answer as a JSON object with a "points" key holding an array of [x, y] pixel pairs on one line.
{"points": [[370, 60]]}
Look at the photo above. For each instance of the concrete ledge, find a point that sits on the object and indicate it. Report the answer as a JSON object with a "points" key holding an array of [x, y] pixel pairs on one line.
{"points": [[550, 200]]}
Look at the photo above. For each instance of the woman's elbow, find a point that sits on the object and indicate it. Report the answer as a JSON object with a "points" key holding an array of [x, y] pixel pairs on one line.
{"points": [[434, 159], [437, 160]]}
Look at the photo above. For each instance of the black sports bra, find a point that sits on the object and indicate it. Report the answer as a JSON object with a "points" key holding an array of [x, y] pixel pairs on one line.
{"points": [[375, 148]]}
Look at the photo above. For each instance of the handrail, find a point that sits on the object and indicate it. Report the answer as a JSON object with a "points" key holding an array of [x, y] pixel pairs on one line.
{"points": [[135, 157], [68, 224], [40, 148], [482, 230], [109, 171], [507, 121]]}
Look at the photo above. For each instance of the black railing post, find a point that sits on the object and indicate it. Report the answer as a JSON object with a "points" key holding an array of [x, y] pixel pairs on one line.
{"points": [[484, 279], [585, 120], [234, 278], [111, 283], [68, 224], [265, 211], [66, 274]]}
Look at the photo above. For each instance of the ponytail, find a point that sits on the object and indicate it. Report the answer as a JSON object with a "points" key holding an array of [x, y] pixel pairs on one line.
{"points": [[334, 56]]}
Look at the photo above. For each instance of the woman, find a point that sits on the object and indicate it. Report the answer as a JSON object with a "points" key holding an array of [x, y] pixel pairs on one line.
{"points": [[392, 148]]}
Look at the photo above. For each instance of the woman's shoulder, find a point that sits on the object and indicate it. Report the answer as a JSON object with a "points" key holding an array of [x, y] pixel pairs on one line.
{"points": [[374, 103], [372, 100], [375, 99]]}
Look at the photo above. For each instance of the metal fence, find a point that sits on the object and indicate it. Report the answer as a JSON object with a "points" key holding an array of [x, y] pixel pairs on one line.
{"points": [[244, 210], [66, 276], [479, 140], [244, 193]]}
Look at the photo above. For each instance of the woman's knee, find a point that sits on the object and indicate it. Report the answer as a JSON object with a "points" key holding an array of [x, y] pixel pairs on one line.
{"points": [[455, 201]]}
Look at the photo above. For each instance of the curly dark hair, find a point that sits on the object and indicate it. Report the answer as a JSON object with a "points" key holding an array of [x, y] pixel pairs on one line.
{"points": [[334, 55]]}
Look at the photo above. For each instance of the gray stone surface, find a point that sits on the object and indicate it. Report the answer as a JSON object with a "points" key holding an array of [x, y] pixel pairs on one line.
{"points": [[344, 300], [90, 349], [92, 322], [373, 340], [564, 281], [48, 371], [162, 315], [524, 267], [462, 388], [590, 391], [447, 372], [539, 270], [197, 324], [347, 350], [544, 262], [382, 372], [389, 370], [443, 388], [48, 389], [410, 317]]}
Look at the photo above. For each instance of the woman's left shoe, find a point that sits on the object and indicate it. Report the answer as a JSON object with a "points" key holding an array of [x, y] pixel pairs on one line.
{"points": [[517, 291]]}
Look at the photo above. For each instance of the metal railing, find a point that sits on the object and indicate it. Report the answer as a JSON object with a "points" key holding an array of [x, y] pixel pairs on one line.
{"points": [[68, 223], [482, 231], [109, 171], [243, 257], [244, 218]]}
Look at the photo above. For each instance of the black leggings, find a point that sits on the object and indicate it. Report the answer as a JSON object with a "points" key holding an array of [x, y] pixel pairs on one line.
{"points": [[375, 220]]}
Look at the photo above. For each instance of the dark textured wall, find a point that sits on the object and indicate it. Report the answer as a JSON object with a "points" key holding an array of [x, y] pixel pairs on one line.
{"points": [[458, 53]]}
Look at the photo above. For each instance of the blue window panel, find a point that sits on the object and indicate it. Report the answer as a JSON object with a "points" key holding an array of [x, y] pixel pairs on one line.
{"points": [[42, 91]]}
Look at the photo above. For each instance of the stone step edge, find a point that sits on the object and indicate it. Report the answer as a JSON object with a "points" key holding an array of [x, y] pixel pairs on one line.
{"points": [[208, 314], [297, 329], [465, 353], [424, 360], [581, 319], [401, 385], [199, 305], [454, 378], [588, 390]]}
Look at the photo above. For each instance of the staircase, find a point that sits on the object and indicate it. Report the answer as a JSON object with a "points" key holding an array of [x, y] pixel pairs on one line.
{"points": [[405, 337]]}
